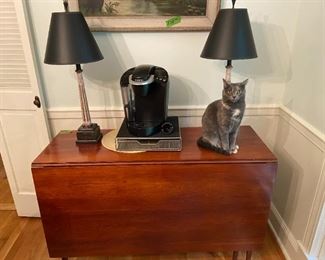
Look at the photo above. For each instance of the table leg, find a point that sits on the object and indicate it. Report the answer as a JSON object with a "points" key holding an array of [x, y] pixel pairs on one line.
{"points": [[235, 255], [249, 255]]}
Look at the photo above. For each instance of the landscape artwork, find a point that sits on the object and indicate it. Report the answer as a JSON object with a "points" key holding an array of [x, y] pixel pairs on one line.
{"points": [[143, 7], [147, 15]]}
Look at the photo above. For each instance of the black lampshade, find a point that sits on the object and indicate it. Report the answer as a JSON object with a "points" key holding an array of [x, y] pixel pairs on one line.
{"points": [[231, 37], [70, 40]]}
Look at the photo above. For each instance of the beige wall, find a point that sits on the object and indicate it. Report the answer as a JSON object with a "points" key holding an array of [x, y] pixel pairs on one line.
{"points": [[194, 81], [305, 91], [289, 41]]}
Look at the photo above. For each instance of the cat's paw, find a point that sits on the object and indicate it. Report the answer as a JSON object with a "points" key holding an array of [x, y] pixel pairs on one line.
{"points": [[225, 152], [234, 151]]}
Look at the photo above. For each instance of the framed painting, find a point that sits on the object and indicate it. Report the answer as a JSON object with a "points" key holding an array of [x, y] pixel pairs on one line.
{"points": [[148, 15]]}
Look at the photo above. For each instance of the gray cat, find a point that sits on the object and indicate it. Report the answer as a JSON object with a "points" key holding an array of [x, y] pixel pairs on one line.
{"points": [[222, 118]]}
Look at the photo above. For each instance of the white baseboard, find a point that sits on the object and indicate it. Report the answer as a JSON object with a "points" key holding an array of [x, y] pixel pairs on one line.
{"points": [[286, 240], [28, 204], [290, 247], [279, 241]]}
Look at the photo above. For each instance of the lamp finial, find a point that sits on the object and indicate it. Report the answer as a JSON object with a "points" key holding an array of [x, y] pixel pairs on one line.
{"points": [[66, 5], [233, 3]]}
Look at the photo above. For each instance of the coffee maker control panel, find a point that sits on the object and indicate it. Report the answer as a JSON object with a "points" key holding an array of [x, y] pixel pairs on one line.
{"points": [[161, 75]]}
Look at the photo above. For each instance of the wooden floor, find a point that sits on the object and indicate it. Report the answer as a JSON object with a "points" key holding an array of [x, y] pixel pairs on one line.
{"points": [[23, 238], [6, 201]]}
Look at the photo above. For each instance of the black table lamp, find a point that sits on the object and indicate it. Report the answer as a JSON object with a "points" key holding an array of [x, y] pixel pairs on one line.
{"points": [[71, 42], [231, 38]]}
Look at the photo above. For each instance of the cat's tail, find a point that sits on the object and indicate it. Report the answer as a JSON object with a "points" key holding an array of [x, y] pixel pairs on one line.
{"points": [[205, 144]]}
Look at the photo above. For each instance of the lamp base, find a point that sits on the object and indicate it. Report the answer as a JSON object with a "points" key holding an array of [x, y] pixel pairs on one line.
{"points": [[89, 134]]}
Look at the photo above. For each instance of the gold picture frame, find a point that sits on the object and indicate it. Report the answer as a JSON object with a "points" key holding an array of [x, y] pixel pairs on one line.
{"points": [[143, 23]]}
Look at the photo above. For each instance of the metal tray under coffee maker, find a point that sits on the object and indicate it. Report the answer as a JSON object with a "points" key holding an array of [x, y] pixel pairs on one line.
{"points": [[168, 139]]}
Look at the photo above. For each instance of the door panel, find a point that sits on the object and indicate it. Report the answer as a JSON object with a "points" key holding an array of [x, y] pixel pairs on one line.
{"points": [[19, 131], [17, 99], [23, 126]]}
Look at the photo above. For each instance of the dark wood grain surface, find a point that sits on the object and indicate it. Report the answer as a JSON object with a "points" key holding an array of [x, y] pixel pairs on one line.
{"points": [[97, 202], [63, 150]]}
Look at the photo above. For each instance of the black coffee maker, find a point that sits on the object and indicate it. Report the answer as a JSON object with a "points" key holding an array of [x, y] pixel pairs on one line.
{"points": [[145, 98]]}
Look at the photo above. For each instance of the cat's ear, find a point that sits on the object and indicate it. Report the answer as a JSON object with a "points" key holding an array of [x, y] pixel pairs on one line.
{"points": [[244, 83], [226, 84]]}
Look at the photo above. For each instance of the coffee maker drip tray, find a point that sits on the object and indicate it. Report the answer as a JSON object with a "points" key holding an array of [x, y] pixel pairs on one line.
{"points": [[168, 139]]}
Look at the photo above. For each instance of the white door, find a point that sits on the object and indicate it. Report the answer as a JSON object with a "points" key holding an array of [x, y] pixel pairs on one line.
{"points": [[23, 129]]}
